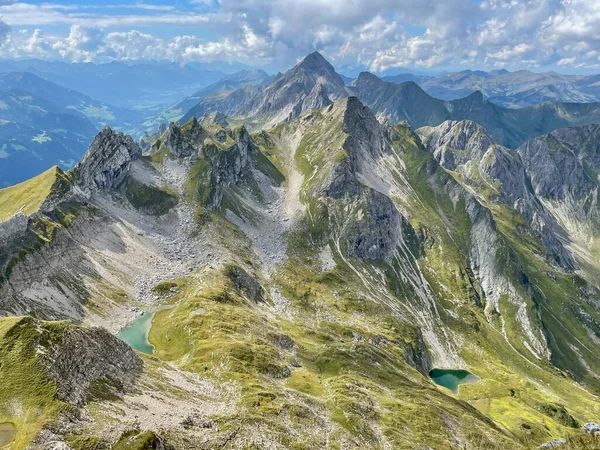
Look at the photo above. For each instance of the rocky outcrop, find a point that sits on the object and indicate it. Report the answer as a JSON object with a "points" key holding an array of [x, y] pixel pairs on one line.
{"points": [[376, 235], [365, 142], [555, 171], [82, 363], [496, 173], [15, 226], [107, 161], [245, 284], [554, 443], [376, 230], [454, 144], [227, 167], [91, 362], [183, 143], [592, 428]]}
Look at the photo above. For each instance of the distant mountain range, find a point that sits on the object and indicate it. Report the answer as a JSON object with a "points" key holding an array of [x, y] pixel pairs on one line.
{"points": [[254, 78], [138, 86], [314, 83], [45, 123], [509, 89]]}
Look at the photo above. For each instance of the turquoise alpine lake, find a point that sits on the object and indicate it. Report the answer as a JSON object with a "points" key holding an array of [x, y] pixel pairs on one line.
{"points": [[451, 379], [136, 333]]}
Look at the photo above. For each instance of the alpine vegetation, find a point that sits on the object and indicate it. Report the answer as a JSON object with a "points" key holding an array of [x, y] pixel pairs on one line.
{"points": [[308, 262]]}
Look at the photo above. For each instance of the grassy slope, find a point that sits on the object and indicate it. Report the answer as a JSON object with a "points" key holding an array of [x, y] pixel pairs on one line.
{"points": [[30, 194], [345, 351], [27, 399], [513, 390]]}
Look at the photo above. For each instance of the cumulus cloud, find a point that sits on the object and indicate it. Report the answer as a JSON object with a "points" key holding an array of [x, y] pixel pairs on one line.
{"points": [[377, 34]]}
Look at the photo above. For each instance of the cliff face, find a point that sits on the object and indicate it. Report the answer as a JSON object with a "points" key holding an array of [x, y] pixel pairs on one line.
{"points": [[54, 368], [107, 161], [497, 173], [84, 362]]}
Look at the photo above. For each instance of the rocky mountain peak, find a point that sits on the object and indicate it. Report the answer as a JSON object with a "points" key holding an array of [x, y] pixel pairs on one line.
{"points": [[107, 161], [457, 142], [184, 140], [475, 97], [365, 78], [313, 69], [314, 62], [218, 118]]}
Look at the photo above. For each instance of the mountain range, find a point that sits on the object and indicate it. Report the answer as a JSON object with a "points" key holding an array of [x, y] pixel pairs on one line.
{"points": [[508, 89], [250, 97], [338, 280], [43, 124], [238, 80], [133, 86], [313, 83]]}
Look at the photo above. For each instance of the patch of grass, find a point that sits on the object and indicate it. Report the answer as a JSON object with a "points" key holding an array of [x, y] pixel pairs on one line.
{"points": [[149, 199], [139, 440], [77, 442]]}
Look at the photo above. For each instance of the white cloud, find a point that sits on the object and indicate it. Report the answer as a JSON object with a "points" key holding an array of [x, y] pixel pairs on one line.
{"points": [[378, 34]]}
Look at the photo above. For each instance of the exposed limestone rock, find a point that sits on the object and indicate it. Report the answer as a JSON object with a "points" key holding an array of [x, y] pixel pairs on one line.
{"points": [[495, 172], [188, 143], [376, 236], [555, 171], [91, 359], [229, 166], [15, 226], [592, 428], [554, 443], [454, 144], [107, 161]]}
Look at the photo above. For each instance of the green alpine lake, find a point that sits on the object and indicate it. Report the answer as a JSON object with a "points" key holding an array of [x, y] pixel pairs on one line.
{"points": [[136, 333], [451, 379]]}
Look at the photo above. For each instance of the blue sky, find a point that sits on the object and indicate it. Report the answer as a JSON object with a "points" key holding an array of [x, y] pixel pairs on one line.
{"points": [[379, 35]]}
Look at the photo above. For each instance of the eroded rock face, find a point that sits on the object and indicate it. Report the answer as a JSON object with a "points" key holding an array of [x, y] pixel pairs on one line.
{"points": [[81, 363], [182, 144], [91, 361], [456, 143], [228, 167], [554, 170], [466, 148], [107, 161], [15, 226], [376, 236], [377, 229]]}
